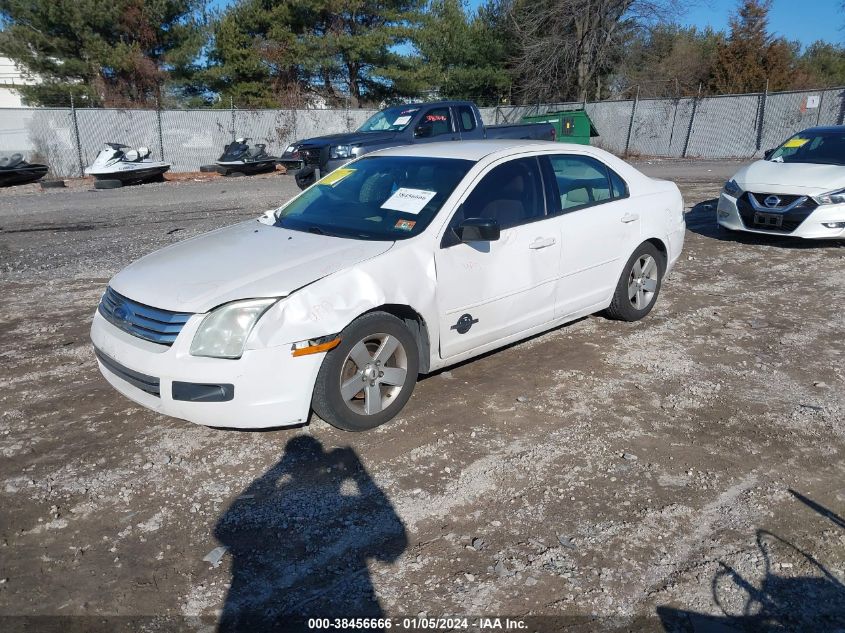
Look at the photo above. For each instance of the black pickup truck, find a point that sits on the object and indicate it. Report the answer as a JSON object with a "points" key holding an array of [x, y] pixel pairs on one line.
{"points": [[402, 125]]}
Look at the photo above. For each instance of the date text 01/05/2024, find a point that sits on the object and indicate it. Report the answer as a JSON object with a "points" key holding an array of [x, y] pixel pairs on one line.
{"points": [[418, 623]]}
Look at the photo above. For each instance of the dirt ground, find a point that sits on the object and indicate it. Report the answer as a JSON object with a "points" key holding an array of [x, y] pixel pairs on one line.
{"points": [[683, 473]]}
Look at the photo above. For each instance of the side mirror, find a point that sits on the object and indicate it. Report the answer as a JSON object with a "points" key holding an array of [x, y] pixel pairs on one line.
{"points": [[423, 130], [478, 230], [768, 153]]}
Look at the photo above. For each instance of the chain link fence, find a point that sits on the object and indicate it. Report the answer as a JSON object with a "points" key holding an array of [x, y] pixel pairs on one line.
{"points": [[732, 126], [68, 139]]}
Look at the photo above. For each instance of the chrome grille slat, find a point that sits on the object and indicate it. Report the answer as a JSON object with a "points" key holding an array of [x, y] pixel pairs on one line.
{"points": [[145, 322]]}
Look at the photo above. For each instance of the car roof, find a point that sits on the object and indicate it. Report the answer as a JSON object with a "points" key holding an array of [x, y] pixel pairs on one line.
{"points": [[824, 129], [475, 150]]}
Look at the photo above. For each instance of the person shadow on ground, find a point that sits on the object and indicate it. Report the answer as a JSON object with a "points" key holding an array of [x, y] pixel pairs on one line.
{"points": [[776, 602], [300, 537]]}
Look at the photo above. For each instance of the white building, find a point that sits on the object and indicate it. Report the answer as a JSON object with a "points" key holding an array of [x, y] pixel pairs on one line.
{"points": [[10, 77]]}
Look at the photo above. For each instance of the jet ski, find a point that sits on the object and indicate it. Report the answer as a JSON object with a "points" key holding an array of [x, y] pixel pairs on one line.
{"points": [[126, 165], [14, 170], [239, 157]]}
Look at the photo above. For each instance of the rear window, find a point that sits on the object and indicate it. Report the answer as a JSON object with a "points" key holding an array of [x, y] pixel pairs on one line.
{"points": [[467, 118]]}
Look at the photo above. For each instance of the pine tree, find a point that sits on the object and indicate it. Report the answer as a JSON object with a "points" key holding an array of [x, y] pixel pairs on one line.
{"points": [[105, 52], [751, 56]]}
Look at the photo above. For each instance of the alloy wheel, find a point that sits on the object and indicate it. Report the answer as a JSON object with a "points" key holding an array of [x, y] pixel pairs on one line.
{"points": [[373, 373], [642, 282]]}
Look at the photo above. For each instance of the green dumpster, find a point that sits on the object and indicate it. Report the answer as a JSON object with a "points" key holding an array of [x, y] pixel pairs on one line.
{"points": [[571, 126]]}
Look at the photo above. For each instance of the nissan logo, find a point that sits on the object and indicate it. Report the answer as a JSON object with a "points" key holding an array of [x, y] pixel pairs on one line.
{"points": [[772, 202], [122, 313]]}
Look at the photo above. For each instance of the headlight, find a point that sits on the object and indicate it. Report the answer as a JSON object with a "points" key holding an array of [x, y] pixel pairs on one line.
{"points": [[290, 150], [832, 197], [224, 331], [732, 189], [341, 151]]}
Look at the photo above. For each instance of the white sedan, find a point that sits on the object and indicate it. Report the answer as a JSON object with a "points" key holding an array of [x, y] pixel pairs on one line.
{"points": [[798, 190], [402, 262]]}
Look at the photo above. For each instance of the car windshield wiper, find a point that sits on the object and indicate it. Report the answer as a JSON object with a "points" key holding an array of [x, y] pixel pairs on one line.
{"points": [[316, 229]]}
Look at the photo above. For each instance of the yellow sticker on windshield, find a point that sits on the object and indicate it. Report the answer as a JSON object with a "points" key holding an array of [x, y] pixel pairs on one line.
{"points": [[796, 142], [336, 176]]}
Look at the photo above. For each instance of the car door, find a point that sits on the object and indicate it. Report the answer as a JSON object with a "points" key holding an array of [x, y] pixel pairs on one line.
{"points": [[435, 125], [598, 230], [488, 291]]}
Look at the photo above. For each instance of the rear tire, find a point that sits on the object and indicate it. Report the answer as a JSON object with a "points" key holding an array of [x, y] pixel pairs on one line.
{"points": [[107, 184], [639, 286], [367, 379]]}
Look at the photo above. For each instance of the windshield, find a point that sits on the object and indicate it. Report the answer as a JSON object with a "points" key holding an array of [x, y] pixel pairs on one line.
{"points": [[378, 198], [390, 120], [825, 148]]}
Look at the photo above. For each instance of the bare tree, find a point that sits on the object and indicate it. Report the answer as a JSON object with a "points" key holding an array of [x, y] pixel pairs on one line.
{"points": [[567, 46]]}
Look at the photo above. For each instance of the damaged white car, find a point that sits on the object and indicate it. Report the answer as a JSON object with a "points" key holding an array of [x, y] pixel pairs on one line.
{"points": [[402, 262]]}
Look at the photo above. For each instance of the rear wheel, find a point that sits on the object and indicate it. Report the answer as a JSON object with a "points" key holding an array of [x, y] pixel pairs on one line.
{"points": [[367, 379], [638, 287], [108, 184]]}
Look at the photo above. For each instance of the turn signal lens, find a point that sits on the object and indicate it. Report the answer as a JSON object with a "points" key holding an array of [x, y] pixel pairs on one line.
{"points": [[315, 346]]}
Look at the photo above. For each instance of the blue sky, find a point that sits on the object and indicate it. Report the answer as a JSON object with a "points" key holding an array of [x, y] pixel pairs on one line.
{"points": [[802, 20]]}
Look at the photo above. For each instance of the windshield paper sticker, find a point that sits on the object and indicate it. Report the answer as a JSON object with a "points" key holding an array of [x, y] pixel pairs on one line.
{"points": [[408, 200], [336, 176], [404, 225], [402, 120], [796, 142]]}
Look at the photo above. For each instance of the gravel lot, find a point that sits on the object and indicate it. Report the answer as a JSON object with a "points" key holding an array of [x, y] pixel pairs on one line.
{"points": [[682, 473]]}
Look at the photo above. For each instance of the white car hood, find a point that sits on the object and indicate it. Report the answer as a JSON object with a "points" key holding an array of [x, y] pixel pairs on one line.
{"points": [[244, 261], [764, 176]]}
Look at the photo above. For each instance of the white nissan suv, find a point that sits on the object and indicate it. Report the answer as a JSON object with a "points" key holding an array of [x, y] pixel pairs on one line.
{"points": [[797, 190], [400, 263]]}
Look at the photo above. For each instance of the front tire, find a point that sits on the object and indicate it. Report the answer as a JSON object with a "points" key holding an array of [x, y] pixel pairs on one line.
{"points": [[638, 287], [367, 379]]}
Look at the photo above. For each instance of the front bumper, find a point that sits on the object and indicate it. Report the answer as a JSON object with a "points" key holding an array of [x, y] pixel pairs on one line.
{"points": [[812, 227], [269, 386]]}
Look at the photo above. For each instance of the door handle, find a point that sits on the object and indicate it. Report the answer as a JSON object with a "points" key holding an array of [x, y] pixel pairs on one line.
{"points": [[542, 242], [630, 217]]}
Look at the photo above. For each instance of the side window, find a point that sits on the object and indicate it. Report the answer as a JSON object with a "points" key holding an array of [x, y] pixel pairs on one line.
{"points": [[583, 181], [617, 186], [511, 194], [435, 122], [467, 118]]}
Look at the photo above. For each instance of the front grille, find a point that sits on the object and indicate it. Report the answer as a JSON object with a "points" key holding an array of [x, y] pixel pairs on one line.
{"points": [[146, 322], [310, 155], [792, 219], [149, 384]]}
